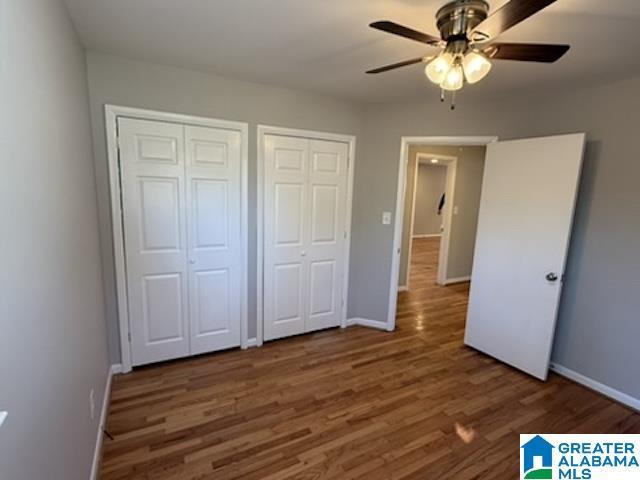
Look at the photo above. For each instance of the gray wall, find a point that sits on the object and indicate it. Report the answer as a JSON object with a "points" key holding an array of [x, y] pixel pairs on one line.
{"points": [[598, 320], [598, 326], [124, 82], [469, 171], [53, 340], [431, 184]]}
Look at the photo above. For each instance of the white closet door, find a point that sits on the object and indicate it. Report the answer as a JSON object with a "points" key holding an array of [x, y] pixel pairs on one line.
{"points": [[213, 186], [153, 190], [326, 207], [285, 271], [305, 205]]}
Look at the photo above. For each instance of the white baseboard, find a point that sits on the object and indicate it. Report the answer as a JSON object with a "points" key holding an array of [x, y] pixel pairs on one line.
{"points": [[428, 235], [451, 281], [97, 453], [403, 288], [612, 393], [365, 322], [252, 342]]}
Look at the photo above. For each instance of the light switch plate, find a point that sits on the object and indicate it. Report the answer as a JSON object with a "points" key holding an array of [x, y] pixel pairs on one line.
{"points": [[3, 416], [386, 218]]}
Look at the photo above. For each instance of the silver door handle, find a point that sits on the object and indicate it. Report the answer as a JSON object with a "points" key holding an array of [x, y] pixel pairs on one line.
{"points": [[552, 277]]}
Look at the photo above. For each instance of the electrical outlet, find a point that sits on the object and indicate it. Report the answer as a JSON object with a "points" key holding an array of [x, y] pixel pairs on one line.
{"points": [[386, 218], [92, 404]]}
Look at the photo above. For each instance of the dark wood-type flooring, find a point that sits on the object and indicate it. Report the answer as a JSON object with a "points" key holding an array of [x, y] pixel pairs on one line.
{"points": [[347, 404]]}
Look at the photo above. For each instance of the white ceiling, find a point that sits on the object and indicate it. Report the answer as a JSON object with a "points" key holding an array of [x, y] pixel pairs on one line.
{"points": [[325, 46]]}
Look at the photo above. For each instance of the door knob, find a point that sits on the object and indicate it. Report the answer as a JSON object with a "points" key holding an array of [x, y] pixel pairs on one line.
{"points": [[304, 254], [192, 262], [552, 277]]}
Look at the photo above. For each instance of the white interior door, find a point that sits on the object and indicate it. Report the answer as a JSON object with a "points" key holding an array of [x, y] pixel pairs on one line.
{"points": [[326, 207], [285, 269], [153, 198], [526, 214], [181, 200], [305, 199], [213, 189]]}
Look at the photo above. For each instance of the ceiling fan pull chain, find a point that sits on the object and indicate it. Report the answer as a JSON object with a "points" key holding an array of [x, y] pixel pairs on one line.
{"points": [[453, 100], [442, 94]]}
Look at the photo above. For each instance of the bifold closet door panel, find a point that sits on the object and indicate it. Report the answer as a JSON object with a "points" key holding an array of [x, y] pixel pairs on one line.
{"points": [[153, 193], [326, 207], [286, 163], [213, 191]]}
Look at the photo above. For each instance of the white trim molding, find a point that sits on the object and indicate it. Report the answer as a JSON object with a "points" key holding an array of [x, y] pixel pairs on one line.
{"points": [[591, 384], [97, 451], [112, 113], [451, 281], [403, 288], [426, 235], [252, 342], [365, 322], [264, 130], [401, 190]]}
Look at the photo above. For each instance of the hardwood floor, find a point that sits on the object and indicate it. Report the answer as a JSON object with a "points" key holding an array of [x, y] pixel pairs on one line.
{"points": [[347, 404]]}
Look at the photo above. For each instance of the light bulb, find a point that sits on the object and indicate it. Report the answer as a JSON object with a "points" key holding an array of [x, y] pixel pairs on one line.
{"points": [[476, 66], [437, 69], [454, 80]]}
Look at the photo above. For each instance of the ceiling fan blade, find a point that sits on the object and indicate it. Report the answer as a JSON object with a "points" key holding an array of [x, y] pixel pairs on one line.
{"points": [[526, 52], [396, 29], [386, 68], [507, 16]]}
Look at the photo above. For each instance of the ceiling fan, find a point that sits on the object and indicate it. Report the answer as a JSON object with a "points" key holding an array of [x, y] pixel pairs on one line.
{"points": [[467, 34]]}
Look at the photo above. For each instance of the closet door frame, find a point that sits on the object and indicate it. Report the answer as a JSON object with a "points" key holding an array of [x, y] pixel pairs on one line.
{"points": [[350, 140], [112, 113]]}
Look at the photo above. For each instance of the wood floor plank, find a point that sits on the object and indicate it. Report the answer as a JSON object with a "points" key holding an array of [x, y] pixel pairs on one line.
{"points": [[347, 404]]}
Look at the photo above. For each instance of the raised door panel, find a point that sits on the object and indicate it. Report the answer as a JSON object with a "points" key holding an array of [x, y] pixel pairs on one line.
{"points": [[321, 288], [162, 307], [214, 192], [289, 215], [212, 292], [211, 213], [153, 193], [159, 214], [287, 279], [324, 214]]}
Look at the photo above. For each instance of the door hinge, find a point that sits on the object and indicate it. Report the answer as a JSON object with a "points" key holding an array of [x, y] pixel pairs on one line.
{"points": [[129, 336]]}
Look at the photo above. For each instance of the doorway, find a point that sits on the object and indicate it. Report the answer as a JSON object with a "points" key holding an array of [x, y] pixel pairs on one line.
{"points": [[525, 215], [447, 151], [431, 181]]}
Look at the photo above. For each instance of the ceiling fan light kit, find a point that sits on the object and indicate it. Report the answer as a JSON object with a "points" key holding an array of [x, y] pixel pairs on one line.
{"points": [[467, 34]]}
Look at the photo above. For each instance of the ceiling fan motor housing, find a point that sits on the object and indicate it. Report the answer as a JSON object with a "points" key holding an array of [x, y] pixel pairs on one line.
{"points": [[457, 19]]}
